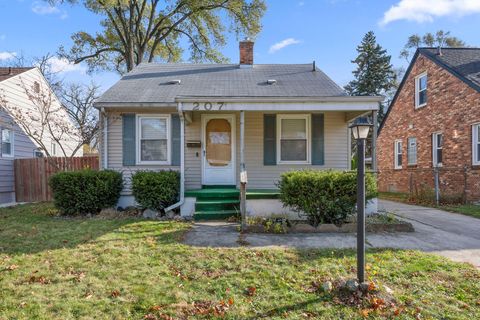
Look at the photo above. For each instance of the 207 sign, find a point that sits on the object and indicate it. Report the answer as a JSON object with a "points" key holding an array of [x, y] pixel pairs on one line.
{"points": [[208, 106]]}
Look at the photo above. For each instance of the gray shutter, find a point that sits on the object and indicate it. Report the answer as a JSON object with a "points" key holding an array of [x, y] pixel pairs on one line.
{"points": [[318, 139], [175, 140], [128, 139], [269, 139]]}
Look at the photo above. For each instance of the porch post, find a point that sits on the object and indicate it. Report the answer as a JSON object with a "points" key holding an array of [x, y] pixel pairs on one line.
{"points": [[243, 172], [374, 141]]}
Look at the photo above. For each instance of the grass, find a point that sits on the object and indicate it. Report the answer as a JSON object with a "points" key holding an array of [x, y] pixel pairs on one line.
{"points": [[471, 210], [128, 268]]}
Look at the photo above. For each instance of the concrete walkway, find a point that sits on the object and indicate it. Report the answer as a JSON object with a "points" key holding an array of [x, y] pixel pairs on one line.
{"points": [[448, 234]]}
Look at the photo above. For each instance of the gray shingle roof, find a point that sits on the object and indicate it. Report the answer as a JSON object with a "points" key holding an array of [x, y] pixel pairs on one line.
{"points": [[149, 82], [464, 62]]}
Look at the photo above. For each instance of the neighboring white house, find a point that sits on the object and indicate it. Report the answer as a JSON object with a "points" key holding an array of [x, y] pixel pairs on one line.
{"points": [[14, 85], [206, 120]]}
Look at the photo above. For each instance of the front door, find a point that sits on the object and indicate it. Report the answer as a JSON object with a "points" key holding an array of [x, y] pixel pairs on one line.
{"points": [[218, 149]]}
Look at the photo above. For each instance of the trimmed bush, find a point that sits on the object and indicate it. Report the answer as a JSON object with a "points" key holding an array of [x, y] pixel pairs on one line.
{"points": [[85, 191], [156, 190], [324, 196]]}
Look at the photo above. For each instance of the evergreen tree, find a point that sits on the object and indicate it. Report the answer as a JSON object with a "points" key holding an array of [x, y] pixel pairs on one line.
{"points": [[374, 74]]}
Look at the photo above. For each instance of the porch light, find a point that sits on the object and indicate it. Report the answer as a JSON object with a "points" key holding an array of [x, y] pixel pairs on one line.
{"points": [[360, 130]]}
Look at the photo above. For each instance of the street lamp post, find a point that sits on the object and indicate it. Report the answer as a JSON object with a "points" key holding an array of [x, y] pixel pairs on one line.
{"points": [[360, 130]]}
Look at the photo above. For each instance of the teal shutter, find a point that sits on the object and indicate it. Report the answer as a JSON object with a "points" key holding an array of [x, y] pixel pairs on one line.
{"points": [[318, 139], [128, 139], [175, 132], [269, 139]]}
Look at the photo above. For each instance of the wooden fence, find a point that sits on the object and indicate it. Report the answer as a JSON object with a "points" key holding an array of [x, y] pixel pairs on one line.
{"points": [[31, 175]]}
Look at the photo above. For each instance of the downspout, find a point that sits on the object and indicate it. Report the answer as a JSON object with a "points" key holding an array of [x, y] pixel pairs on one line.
{"points": [[182, 160], [105, 139]]}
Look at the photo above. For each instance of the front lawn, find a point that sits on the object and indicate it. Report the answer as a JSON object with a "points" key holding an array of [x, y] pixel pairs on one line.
{"points": [[466, 209], [127, 268]]}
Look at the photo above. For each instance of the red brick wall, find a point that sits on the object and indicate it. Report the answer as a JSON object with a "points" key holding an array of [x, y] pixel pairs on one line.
{"points": [[452, 108]]}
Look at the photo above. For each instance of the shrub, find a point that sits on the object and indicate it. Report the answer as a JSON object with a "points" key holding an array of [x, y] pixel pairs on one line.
{"points": [[85, 191], [156, 190], [324, 196]]}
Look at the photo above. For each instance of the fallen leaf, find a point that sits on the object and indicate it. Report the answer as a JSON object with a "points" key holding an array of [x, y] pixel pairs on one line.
{"points": [[12, 267], [250, 291], [230, 301], [115, 294]]}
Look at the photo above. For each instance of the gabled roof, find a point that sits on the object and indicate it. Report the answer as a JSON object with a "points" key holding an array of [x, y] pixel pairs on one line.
{"points": [[464, 63], [151, 82], [8, 72]]}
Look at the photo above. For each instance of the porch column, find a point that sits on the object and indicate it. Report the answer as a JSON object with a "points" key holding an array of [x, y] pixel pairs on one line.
{"points": [[243, 172], [374, 141]]}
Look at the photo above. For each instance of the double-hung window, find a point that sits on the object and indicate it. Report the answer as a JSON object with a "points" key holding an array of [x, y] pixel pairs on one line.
{"points": [[153, 139], [421, 90], [437, 152], [398, 154], [293, 144], [7, 143], [476, 144], [412, 151]]}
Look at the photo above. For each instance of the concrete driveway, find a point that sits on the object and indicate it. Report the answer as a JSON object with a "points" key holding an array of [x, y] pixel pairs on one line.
{"points": [[448, 234]]}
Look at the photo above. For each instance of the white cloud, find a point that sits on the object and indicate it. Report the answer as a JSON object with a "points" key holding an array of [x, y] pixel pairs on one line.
{"points": [[44, 8], [62, 65], [7, 55], [282, 44], [427, 10]]}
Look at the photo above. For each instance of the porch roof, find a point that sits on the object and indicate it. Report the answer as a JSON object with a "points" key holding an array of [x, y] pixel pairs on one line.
{"points": [[153, 83]]}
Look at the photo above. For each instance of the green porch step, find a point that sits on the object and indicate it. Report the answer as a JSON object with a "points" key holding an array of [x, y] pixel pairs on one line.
{"points": [[214, 215], [216, 204]]}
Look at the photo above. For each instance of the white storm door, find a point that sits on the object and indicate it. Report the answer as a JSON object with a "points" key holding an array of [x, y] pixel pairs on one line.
{"points": [[218, 149]]}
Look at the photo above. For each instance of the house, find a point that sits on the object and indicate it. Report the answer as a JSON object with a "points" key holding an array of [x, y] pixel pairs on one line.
{"points": [[214, 121], [433, 125], [16, 84]]}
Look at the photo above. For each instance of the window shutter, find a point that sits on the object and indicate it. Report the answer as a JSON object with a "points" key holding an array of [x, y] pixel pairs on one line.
{"points": [[128, 139], [269, 139], [175, 140], [318, 139]]}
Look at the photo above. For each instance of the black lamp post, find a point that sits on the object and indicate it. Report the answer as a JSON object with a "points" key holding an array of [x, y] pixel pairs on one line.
{"points": [[360, 130]]}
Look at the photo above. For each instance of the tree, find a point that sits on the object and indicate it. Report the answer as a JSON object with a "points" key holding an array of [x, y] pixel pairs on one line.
{"points": [[439, 39], [374, 74], [135, 31]]}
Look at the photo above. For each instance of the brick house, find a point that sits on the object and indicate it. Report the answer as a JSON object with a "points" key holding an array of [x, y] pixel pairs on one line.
{"points": [[433, 124]]}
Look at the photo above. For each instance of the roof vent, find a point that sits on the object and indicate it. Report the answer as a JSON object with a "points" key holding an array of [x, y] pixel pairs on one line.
{"points": [[271, 81], [176, 81]]}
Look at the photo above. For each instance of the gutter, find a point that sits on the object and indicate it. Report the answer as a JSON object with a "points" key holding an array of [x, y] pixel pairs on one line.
{"points": [[182, 160]]}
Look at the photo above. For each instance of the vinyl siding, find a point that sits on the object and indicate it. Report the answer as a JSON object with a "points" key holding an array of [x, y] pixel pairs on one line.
{"points": [[259, 176]]}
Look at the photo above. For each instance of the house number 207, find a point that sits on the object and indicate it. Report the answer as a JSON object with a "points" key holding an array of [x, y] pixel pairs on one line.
{"points": [[208, 106]]}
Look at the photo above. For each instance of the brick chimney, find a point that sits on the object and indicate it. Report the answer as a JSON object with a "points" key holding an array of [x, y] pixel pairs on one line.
{"points": [[246, 53]]}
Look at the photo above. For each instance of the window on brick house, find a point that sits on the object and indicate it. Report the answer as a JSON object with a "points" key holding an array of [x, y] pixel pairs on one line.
{"points": [[412, 151], [421, 90], [476, 144], [437, 152], [398, 154]]}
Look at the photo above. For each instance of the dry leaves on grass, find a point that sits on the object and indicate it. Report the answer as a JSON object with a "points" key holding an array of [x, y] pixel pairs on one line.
{"points": [[38, 279], [11, 267], [115, 294], [250, 291]]}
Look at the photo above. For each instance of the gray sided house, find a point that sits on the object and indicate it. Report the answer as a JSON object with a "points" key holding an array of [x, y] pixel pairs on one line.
{"points": [[210, 120], [15, 144]]}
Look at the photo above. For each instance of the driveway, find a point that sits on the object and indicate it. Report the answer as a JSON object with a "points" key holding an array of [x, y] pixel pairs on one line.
{"points": [[448, 234]]}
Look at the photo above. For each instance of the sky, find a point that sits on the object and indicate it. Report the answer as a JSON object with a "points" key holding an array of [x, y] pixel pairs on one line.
{"points": [[294, 31]]}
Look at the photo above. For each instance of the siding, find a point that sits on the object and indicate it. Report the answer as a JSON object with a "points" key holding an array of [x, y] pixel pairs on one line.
{"points": [[260, 176]]}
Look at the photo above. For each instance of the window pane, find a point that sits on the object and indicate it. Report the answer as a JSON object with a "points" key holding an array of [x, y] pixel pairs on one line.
{"points": [[439, 156], [399, 160], [399, 147], [219, 142], [293, 150], [412, 150], [422, 97], [153, 150], [6, 148], [478, 152], [6, 135], [422, 83], [439, 140], [294, 129], [154, 128]]}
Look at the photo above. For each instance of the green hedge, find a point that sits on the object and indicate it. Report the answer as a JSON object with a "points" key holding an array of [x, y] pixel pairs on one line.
{"points": [[156, 190], [324, 196], [85, 191]]}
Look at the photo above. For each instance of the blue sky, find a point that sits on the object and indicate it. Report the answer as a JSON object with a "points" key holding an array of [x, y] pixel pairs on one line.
{"points": [[295, 31]]}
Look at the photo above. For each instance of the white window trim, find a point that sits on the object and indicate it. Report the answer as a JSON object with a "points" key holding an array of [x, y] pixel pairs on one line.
{"points": [[475, 143], [395, 153], [434, 149], [12, 143], [307, 118], [138, 140], [408, 151], [417, 92]]}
